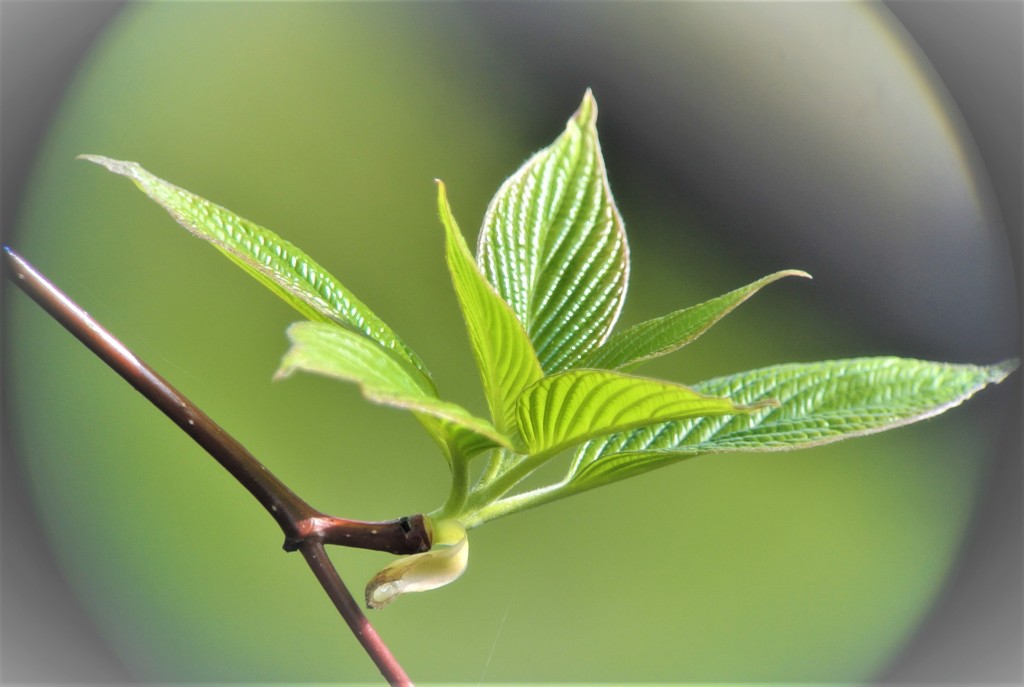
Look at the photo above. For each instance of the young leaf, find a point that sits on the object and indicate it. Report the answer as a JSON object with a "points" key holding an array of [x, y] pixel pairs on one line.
{"points": [[625, 350], [503, 352], [569, 407], [553, 245], [276, 263], [819, 403], [331, 350]]}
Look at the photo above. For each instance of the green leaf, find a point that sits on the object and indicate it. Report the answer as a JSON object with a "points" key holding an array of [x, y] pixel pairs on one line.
{"points": [[330, 350], [819, 403], [276, 263], [503, 352], [553, 245], [627, 349], [569, 407]]}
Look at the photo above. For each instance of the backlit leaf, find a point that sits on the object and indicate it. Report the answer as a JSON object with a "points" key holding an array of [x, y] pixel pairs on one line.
{"points": [[819, 403], [503, 352], [553, 245], [568, 407], [276, 263], [330, 350], [625, 350]]}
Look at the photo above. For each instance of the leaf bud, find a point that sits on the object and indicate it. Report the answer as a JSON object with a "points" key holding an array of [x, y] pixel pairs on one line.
{"points": [[421, 572]]}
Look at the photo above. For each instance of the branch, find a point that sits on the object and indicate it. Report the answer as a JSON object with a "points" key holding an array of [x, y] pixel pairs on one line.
{"points": [[305, 528], [405, 535], [329, 579]]}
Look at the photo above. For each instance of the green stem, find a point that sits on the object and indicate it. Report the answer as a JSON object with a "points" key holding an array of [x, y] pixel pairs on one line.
{"points": [[492, 470], [490, 493], [519, 502], [459, 493]]}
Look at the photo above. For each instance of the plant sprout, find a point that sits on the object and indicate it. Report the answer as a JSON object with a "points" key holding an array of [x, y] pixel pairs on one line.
{"points": [[540, 300]]}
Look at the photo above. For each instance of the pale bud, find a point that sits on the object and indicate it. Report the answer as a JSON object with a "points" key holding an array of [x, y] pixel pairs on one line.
{"points": [[421, 572]]}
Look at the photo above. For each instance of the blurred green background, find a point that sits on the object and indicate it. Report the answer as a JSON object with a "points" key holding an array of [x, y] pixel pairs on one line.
{"points": [[328, 123]]}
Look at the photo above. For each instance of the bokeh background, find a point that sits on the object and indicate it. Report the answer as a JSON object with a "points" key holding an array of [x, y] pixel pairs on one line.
{"points": [[740, 139]]}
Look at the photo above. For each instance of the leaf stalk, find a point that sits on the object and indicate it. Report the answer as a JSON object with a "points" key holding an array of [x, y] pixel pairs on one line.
{"points": [[518, 502], [459, 492]]}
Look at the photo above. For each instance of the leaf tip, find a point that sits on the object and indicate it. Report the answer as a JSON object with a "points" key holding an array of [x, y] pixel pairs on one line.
{"points": [[586, 114], [443, 207], [287, 366], [283, 372], [122, 167], [1000, 371]]}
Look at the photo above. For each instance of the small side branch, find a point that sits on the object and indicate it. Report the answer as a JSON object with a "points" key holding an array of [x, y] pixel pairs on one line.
{"points": [[305, 528], [405, 535]]}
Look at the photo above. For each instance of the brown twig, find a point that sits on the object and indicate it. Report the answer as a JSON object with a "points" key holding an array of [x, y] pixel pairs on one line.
{"points": [[305, 528], [327, 574]]}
